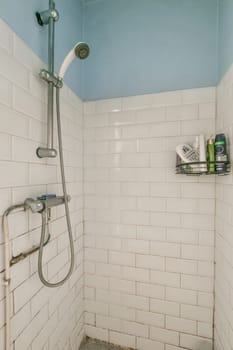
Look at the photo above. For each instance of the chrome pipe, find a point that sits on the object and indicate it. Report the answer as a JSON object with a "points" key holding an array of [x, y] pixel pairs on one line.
{"points": [[50, 116], [51, 71], [7, 276], [51, 39]]}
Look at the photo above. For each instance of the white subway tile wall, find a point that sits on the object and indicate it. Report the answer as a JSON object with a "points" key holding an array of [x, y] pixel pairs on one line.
{"points": [[42, 318], [148, 233], [224, 224]]}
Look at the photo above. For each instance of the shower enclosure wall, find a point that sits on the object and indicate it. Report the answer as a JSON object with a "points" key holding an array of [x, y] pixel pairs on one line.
{"points": [[224, 226], [144, 262], [149, 233], [41, 317], [124, 181]]}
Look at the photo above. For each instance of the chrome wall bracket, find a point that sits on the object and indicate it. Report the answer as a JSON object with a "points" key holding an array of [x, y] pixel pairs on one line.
{"points": [[51, 78], [44, 17], [43, 152]]}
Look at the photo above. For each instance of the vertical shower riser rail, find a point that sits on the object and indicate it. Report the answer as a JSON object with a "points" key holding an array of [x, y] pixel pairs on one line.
{"points": [[51, 71], [49, 18]]}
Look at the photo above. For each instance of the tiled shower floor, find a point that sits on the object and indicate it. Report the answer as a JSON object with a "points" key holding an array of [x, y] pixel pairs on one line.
{"points": [[92, 344]]}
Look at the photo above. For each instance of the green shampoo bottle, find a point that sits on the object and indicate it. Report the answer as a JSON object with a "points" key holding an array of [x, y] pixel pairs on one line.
{"points": [[210, 155]]}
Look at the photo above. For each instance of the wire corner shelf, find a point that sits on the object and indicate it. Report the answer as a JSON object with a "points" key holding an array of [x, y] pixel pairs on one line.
{"points": [[203, 168]]}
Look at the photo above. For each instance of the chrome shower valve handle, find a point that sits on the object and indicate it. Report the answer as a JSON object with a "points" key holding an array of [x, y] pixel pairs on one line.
{"points": [[36, 206]]}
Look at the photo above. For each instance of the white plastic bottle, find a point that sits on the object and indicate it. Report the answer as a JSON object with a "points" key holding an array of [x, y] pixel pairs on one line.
{"points": [[202, 153], [196, 147]]}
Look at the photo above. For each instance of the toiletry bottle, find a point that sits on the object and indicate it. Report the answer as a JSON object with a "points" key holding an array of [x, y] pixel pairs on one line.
{"points": [[196, 147], [196, 144], [210, 154], [202, 154], [220, 152]]}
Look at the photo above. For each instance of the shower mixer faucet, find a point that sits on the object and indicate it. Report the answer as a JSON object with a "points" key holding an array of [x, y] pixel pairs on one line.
{"points": [[40, 204]]}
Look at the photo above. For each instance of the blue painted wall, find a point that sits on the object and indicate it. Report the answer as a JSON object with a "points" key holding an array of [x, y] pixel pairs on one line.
{"points": [[19, 14], [137, 46], [147, 46], [225, 36]]}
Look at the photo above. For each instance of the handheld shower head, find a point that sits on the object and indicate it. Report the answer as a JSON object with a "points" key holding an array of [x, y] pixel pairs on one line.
{"points": [[80, 50]]}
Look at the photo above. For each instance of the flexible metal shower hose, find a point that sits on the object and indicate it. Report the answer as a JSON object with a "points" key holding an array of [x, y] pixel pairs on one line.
{"points": [[43, 214]]}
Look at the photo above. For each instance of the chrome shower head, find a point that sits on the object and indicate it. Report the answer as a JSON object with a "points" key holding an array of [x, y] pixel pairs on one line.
{"points": [[80, 50]]}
